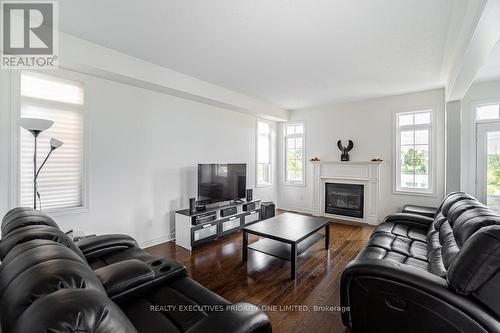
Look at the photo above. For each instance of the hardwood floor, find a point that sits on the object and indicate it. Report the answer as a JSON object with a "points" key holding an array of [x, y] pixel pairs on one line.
{"points": [[265, 280]]}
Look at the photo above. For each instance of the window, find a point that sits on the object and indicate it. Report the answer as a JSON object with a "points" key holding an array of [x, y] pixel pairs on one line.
{"points": [[488, 112], [414, 151], [263, 153], [221, 170], [60, 183], [294, 153]]}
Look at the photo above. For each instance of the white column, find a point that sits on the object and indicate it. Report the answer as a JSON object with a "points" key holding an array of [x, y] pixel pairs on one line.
{"points": [[316, 197]]}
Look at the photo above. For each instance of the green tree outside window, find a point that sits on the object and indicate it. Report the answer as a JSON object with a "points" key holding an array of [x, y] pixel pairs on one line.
{"points": [[493, 174], [415, 161]]}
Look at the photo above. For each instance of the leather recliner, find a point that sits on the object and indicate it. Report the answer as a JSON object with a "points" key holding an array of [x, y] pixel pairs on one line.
{"points": [[99, 251], [50, 284], [428, 274]]}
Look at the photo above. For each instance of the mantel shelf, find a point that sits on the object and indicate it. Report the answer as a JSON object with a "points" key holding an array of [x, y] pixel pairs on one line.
{"points": [[349, 178], [348, 162]]}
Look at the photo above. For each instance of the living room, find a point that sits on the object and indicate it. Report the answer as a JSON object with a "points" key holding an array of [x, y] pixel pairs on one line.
{"points": [[237, 166]]}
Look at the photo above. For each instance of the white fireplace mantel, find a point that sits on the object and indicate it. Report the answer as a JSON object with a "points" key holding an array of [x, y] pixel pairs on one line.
{"points": [[352, 172]]}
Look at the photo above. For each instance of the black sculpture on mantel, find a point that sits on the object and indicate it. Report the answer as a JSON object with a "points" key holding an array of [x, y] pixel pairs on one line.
{"points": [[345, 150]]}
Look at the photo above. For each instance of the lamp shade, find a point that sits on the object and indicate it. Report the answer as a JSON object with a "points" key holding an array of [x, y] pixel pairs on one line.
{"points": [[54, 143], [35, 124]]}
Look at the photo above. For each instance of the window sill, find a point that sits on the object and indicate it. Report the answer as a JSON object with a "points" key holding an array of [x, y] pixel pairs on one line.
{"points": [[415, 193], [263, 185], [294, 184], [66, 211]]}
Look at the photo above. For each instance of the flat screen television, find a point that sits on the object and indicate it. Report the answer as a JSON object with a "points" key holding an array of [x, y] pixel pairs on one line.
{"points": [[221, 182]]}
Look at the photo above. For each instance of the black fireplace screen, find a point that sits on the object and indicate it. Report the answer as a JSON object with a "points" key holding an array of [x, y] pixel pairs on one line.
{"points": [[344, 199]]}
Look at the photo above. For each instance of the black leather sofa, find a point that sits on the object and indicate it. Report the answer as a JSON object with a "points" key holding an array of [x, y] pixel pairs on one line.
{"points": [[102, 284], [428, 274]]}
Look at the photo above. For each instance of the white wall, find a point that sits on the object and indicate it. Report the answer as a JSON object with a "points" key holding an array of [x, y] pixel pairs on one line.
{"points": [[5, 133], [143, 150], [480, 92], [369, 124]]}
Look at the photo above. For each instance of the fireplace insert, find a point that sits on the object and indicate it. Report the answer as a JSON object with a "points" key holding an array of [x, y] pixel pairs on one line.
{"points": [[344, 199]]}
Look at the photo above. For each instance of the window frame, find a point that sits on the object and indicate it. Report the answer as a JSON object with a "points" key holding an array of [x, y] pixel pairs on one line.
{"points": [[301, 183], [472, 182], [476, 105], [15, 153], [397, 189], [270, 136]]}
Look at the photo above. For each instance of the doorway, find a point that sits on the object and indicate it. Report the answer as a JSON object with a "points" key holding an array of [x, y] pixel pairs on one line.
{"points": [[488, 164]]}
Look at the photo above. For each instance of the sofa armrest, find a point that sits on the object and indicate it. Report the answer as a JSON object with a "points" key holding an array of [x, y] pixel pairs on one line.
{"points": [[420, 210], [100, 245], [237, 318], [428, 286], [411, 219], [165, 271], [123, 275]]}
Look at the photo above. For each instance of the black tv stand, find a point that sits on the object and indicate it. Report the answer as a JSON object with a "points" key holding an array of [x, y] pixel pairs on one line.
{"points": [[193, 229]]}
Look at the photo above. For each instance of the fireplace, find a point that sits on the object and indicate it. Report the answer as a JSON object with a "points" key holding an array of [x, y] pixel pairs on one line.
{"points": [[344, 199]]}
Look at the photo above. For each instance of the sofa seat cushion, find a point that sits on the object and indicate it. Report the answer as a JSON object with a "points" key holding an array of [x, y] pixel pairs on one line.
{"points": [[402, 230], [175, 307], [398, 242], [378, 253]]}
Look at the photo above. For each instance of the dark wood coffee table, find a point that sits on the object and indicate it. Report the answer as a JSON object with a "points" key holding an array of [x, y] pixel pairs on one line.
{"points": [[286, 236]]}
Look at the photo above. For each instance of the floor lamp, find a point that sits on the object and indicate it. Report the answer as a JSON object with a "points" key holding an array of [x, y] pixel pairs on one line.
{"points": [[35, 127]]}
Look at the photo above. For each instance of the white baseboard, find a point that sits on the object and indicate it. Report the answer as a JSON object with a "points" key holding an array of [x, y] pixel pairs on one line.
{"points": [[344, 219], [297, 209], [156, 241]]}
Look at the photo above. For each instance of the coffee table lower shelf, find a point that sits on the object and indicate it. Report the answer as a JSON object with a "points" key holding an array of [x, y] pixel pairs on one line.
{"points": [[283, 250]]}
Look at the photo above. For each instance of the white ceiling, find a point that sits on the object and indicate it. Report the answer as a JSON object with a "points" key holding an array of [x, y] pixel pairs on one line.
{"points": [[295, 53], [490, 70]]}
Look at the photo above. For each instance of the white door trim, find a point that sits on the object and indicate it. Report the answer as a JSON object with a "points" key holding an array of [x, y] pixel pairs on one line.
{"points": [[482, 130]]}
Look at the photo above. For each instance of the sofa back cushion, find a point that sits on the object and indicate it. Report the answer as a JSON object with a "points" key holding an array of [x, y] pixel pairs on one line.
{"points": [[450, 200], [32, 232], [477, 262], [23, 224], [47, 287], [32, 271], [464, 240], [441, 245], [74, 310], [25, 216], [27, 255], [458, 218]]}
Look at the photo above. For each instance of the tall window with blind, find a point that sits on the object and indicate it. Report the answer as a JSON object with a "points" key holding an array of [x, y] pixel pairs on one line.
{"points": [[60, 183], [263, 153], [294, 153], [414, 151]]}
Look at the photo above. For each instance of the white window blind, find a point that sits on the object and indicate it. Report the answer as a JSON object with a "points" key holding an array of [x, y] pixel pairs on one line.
{"points": [[60, 182], [263, 153]]}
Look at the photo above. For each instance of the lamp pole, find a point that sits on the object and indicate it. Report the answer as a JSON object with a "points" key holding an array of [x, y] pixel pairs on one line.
{"points": [[35, 127], [35, 134]]}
